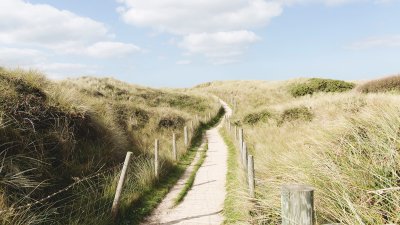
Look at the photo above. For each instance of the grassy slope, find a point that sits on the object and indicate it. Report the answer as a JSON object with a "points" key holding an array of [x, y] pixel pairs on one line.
{"points": [[348, 149], [54, 134]]}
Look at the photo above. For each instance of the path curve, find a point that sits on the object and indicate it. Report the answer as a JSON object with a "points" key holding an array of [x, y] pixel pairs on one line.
{"points": [[204, 203]]}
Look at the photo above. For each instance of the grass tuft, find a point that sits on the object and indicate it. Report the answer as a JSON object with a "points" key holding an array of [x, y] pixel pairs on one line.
{"points": [[297, 113], [388, 84], [257, 117], [314, 85]]}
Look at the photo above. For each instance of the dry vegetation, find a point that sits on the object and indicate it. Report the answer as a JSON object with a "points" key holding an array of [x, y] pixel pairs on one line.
{"points": [[387, 84], [53, 135], [346, 145]]}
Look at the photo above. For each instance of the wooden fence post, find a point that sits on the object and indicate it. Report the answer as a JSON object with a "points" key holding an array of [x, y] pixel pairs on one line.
{"points": [[186, 136], [241, 139], [236, 132], [114, 209], [244, 156], [250, 175], [297, 203], [156, 161], [174, 151], [191, 126]]}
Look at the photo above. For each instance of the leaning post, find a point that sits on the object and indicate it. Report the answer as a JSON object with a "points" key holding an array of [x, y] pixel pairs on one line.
{"points": [[115, 205]]}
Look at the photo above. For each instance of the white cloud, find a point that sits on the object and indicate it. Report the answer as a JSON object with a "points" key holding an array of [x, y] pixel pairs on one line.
{"points": [[61, 70], [184, 62], [220, 47], [44, 25], [217, 29], [378, 42], [209, 27], [33, 35], [20, 56], [111, 49], [195, 16]]}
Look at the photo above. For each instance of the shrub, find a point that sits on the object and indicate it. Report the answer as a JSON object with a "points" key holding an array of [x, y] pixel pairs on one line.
{"points": [[381, 85], [171, 122], [257, 117], [320, 85], [298, 113]]}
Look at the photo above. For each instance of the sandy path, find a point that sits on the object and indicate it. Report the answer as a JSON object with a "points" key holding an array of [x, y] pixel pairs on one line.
{"points": [[203, 204]]}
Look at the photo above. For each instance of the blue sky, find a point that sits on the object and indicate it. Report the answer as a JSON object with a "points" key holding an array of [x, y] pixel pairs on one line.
{"points": [[180, 43]]}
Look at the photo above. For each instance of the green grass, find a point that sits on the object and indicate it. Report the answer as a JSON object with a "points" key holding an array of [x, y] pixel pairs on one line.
{"points": [[135, 212], [233, 213], [301, 113], [257, 117], [319, 85], [189, 183]]}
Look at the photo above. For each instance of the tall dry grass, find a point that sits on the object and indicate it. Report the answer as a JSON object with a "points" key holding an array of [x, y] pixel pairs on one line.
{"points": [[349, 151], [55, 134]]}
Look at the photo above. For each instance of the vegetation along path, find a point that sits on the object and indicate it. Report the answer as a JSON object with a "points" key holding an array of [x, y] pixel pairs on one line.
{"points": [[204, 202]]}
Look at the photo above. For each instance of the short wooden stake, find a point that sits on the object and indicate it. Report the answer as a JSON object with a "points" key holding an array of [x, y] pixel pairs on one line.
{"points": [[186, 136], [236, 131], [297, 203], [191, 126], [174, 151], [115, 205], [241, 139], [250, 176], [244, 156], [156, 161]]}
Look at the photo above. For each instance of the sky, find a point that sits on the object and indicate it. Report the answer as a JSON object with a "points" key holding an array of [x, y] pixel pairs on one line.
{"points": [[181, 43]]}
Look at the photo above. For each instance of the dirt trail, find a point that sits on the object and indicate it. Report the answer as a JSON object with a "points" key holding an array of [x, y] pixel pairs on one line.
{"points": [[203, 204]]}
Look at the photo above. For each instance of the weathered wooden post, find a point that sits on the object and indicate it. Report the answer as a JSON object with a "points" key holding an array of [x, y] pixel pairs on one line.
{"points": [[241, 139], [115, 205], [244, 156], [156, 161], [250, 176], [209, 116], [186, 136], [191, 126], [236, 131], [175, 154], [297, 203]]}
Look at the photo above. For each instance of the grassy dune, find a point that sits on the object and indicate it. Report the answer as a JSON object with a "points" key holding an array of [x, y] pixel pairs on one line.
{"points": [[345, 143], [54, 134]]}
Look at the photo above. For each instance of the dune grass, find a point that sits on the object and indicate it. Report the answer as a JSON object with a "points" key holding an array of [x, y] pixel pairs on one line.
{"points": [[54, 134], [349, 150], [387, 84]]}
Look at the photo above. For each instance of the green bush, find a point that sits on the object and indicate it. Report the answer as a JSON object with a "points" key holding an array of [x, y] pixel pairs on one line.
{"points": [[257, 117], [298, 113], [320, 85], [381, 85]]}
